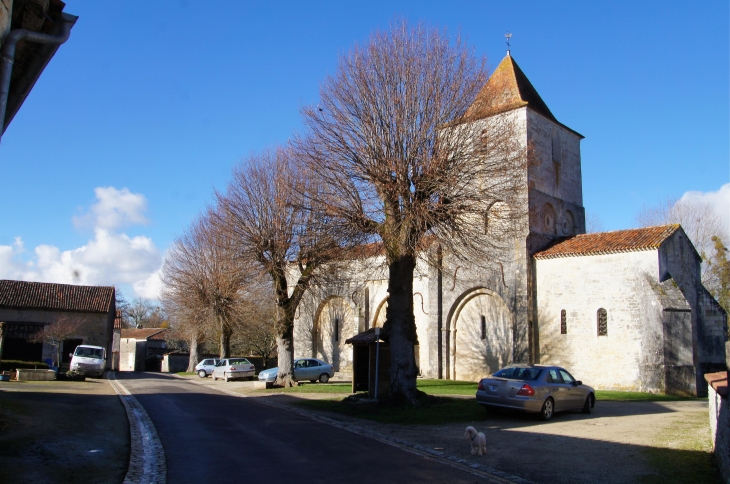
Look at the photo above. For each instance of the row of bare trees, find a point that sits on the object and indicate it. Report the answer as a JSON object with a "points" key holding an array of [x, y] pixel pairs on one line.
{"points": [[392, 154]]}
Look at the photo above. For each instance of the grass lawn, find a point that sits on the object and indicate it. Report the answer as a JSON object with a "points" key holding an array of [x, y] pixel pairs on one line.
{"points": [[186, 373], [683, 453], [611, 396], [439, 409], [431, 387], [456, 387]]}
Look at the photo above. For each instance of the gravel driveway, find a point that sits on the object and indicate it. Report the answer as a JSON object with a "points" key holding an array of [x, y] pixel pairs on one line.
{"points": [[614, 444]]}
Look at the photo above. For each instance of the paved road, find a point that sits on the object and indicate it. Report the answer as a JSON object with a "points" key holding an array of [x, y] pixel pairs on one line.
{"points": [[213, 437]]}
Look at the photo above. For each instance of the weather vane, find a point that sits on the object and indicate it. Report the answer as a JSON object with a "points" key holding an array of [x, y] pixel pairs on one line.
{"points": [[508, 36]]}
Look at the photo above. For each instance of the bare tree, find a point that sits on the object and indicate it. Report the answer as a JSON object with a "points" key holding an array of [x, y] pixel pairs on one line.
{"points": [[406, 155], [190, 325], [202, 275], [258, 332], [262, 214], [594, 223], [719, 274], [54, 333], [700, 222]]}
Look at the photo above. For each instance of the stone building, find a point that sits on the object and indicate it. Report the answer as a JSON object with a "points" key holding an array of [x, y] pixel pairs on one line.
{"points": [[26, 307], [141, 349], [471, 319]]}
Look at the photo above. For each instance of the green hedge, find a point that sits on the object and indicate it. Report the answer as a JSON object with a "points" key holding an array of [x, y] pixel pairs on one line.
{"points": [[7, 365]]}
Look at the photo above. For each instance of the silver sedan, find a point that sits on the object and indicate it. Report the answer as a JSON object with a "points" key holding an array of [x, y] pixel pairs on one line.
{"points": [[231, 368], [535, 388]]}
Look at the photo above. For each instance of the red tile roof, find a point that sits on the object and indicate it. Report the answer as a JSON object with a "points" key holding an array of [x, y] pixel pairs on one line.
{"points": [[56, 297], [508, 88], [144, 333], [631, 240]]}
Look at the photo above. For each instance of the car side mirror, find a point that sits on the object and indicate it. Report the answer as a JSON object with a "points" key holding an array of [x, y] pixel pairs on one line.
{"points": [[577, 383], [70, 355]]}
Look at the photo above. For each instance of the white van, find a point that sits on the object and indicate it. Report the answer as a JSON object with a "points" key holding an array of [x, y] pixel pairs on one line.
{"points": [[89, 360]]}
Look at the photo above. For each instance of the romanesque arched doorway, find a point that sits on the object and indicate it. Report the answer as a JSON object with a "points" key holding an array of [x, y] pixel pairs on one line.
{"points": [[481, 335], [335, 323]]}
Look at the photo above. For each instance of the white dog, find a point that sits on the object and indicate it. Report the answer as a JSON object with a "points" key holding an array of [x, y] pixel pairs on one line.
{"points": [[478, 441]]}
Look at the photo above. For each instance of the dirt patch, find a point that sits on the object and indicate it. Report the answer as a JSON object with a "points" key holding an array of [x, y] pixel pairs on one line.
{"points": [[58, 431]]}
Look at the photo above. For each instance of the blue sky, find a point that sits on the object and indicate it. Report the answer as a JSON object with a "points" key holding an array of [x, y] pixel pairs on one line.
{"points": [[147, 107]]}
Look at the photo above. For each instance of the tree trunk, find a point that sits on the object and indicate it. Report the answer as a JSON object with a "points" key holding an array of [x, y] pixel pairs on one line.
{"points": [[401, 324], [194, 348], [2, 339], [225, 346], [285, 342]]}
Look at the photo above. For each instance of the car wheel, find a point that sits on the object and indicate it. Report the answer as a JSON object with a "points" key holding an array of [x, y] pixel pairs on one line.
{"points": [[202, 373], [548, 409], [590, 402], [225, 377], [324, 378]]}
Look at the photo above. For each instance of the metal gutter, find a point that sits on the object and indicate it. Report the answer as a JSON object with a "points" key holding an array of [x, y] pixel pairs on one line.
{"points": [[9, 105]]}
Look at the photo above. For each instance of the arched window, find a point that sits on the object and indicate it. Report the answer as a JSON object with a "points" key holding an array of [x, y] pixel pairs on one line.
{"points": [[602, 317], [484, 327], [563, 322]]}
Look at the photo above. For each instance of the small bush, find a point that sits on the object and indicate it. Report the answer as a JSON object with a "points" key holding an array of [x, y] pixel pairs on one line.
{"points": [[8, 365], [71, 376]]}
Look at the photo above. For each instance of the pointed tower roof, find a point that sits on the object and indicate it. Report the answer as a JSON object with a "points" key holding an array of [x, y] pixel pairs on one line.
{"points": [[508, 88]]}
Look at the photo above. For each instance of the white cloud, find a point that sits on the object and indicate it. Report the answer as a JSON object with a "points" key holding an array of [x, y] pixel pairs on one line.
{"points": [[110, 258], [114, 209], [719, 201]]}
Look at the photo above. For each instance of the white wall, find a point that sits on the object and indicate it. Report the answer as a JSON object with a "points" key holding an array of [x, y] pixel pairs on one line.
{"points": [[619, 283]]}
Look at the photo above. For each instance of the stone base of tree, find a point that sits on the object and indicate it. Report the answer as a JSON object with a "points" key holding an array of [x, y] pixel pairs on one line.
{"points": [[261, 385]]}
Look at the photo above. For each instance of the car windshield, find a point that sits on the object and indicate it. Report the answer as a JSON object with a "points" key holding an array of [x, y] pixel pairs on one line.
{"points": [[517, 373], [89, 352]]}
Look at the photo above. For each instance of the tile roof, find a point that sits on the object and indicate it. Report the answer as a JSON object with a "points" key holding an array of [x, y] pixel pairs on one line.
{"points": [[58, 297], [631, 240], [144, 333], [508, 88]]}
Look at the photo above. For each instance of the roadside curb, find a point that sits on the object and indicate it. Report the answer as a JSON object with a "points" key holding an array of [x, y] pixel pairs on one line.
{"points": [[146, 457], [493, 475]]}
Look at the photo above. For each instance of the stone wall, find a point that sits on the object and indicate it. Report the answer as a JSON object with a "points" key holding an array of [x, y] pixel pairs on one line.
{"points": [[719, 412], [96, 328], [174, 363], [6, 13], [628, 356]]}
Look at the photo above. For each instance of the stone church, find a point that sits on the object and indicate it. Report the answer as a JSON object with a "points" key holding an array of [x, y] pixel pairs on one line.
{"points": [[621, 310]]}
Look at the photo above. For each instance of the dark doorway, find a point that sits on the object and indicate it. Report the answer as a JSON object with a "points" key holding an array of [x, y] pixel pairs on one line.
{"points": [[17, 345], [69, 346]]}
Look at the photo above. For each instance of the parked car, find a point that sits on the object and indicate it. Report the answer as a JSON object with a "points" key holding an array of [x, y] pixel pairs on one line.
{"points": [[535, 388], [205, 367], [89, 360], [231, 368], [311, 369]]}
